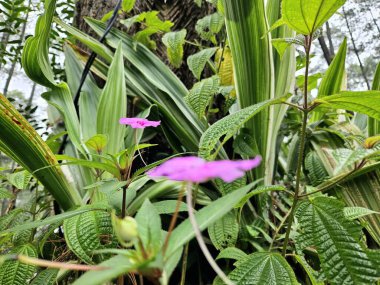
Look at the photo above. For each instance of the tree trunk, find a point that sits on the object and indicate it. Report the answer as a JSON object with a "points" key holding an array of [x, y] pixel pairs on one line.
{"points": [[184, 14]]}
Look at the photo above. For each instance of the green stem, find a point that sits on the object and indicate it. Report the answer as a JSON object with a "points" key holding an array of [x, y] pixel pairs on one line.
{"points": [[305, 112]]}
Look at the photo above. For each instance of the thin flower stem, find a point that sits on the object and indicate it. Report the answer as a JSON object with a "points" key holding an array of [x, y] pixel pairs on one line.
{"points": [[200, 240], [305, 112], [53, 264], [138, 150]]}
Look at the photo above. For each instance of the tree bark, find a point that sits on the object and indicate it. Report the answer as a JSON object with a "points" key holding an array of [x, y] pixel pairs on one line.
{"points": [[184, 14]]}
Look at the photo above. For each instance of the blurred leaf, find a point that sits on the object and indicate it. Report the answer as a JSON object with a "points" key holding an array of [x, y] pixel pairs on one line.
{"points": [[174, 42], [353, 213]]}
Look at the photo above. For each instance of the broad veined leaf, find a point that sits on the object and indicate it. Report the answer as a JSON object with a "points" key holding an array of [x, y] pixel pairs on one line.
{"points": [[228, 126], [205, 217], [353, 213], [53, 219], [311, 273], [113, 105], [209, 26], [336, 239], [263, 268], [87, 232], [197, 61], [364, 102], [149, 227], [305, 16], [13, 272], [169, 207], [346, 158], [45, 277], [202, 92], [23, 144], [225, 231], [174, 42], [5, 194], [20, 179], [282, 44], [97, 142]]}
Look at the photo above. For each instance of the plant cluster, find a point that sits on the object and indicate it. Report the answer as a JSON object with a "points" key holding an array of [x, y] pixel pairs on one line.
{"points": [[281, 187]]}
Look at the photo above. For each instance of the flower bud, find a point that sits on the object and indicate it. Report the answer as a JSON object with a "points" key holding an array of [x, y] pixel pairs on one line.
{"points": [[126, 229]]}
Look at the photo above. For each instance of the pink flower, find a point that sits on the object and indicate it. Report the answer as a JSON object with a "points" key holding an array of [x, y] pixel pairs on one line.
{"points": [[139, 123], [197, 170]]}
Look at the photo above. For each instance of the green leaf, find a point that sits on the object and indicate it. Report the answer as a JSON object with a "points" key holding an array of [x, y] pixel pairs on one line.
{"points": [[117, 265], [45, 277], [228, 126], [305, 16], [225, 231], [253, 70], [263, 268], [205, 217], [23, 144], [97, 142], [333, 79], [113, 105], [197, 61], [202, 92], [311, 273], [232, 253], [336, 240], [174, 42], [13, 272], [374, 125], [20, 179], [364, 102], [54, 219], [346, 158], [169, 207], [149, 227], [353, 213], [127, 5], [87, 232], [209, 26], [282, 44], [259, 190], [5, 194]]}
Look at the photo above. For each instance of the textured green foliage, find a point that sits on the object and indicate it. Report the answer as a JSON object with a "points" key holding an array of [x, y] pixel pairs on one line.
{"points": [[197, 62], [263, 268], [257, 191], [149, 227], [97, 142], [20, 179], [347, 158], [225, 231], [305, 16], [316, 171], [209, 26], [364, 102], [22, 143], [353, 213], [87, 232], [323, 226], [5, 194], [13, 272], [202, 92], [282, 44], [228, 126], [45, 277], [113, 105], [174, 42]]}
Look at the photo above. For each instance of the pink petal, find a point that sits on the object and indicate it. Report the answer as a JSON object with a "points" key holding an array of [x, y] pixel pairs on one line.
{"points": [[139, 123]]}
